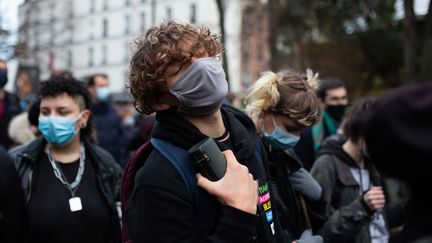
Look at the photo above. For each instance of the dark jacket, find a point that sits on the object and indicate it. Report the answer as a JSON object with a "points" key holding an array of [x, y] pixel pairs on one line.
{"points": [[349, 215], [13, 217], [11, 108], [107, 171], [109, 129], [160, 209], [287, 199]]}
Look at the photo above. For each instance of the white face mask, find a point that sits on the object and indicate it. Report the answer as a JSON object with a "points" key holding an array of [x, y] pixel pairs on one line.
{"points": [[201, 90]]}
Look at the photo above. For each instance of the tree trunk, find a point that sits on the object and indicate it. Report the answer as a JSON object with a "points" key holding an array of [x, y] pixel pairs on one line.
{"points": [[221, 10], [273, 13], [411, 44], [426, 44]]}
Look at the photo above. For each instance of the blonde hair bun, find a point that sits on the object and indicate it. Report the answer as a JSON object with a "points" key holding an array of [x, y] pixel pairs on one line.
{"points": [[312, 79]]}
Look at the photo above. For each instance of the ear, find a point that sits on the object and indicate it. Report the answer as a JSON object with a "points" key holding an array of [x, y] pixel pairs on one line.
{"points": [[84, 118]]}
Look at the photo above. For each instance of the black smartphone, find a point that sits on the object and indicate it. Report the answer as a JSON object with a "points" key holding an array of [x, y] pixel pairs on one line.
{"points": [[209, 160]]}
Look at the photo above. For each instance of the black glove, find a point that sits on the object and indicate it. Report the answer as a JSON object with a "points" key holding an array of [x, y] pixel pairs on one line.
{"points": [[305, 184], [307, 237]]}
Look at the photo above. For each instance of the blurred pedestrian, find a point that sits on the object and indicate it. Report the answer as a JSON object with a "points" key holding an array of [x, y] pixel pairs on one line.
{"points": [[175, 72], [9, 106], [398, 137], [70, 184], [333, 95], [13, 213], [20, 130], [107, 122], [356, 203], [141, 133], [282, 105]]}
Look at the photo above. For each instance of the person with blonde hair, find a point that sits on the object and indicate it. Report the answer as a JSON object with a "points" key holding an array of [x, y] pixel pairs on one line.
{"points": [[281, 105]]}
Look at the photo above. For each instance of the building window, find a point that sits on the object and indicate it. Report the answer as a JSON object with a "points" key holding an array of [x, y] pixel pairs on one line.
{"points": [[69, 59], [142, 20], [143, 1], [105, 4], [71, 30], [245, 78], [92, 6], [104, 55], [127, 2], [168, 13], [91, 34], [51, 41], [193, 13], [127, 24], [105, 28], [52, 12], [71, 6], [90, 54], [126, 53]]}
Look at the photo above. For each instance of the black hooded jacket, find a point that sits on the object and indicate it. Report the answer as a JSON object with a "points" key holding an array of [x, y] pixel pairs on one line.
{"points": [[160, 210], [349, 215], [288, 203]]}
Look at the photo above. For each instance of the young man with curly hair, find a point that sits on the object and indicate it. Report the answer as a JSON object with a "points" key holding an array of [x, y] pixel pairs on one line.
{"points": [[175, 73]]}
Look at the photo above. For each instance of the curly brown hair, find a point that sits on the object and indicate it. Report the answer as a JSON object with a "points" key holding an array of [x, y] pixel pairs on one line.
{"points": [[159, 49]]}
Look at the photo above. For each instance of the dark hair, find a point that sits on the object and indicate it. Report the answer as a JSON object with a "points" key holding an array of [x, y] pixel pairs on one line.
{"points": [[170, 44], [33, 113], [59, 85], [92, 79], [61, 73], [353, 124], [327, 84]]}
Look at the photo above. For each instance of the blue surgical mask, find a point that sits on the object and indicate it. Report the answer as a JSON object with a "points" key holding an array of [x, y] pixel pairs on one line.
{"points": [[58, 130], [280, 139], [102, 93]]}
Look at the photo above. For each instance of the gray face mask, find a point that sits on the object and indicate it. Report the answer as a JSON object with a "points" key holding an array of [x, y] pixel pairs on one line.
{"points": [[202, 88]]}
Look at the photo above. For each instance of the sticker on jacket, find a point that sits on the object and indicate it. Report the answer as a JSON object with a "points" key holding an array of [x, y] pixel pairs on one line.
{"points": [[264, 203]]}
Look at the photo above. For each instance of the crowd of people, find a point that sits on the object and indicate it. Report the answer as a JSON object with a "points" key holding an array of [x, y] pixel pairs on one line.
{"points": [[298, 167]]}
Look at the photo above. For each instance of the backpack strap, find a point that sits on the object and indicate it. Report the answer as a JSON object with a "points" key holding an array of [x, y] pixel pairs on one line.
{"points": [[179, 158], [204, 204]]}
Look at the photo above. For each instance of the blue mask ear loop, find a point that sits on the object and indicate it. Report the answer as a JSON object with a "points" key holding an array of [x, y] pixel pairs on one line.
{"points": [[274, 122], [274, 127]]}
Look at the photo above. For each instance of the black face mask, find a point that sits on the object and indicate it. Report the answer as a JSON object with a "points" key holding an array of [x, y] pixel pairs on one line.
{"points": [[3, 77], [336, 111]]}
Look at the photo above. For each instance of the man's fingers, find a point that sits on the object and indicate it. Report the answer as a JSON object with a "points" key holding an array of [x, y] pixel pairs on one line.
{"points": [[374, 197], [203, 182], [229, 157]]}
